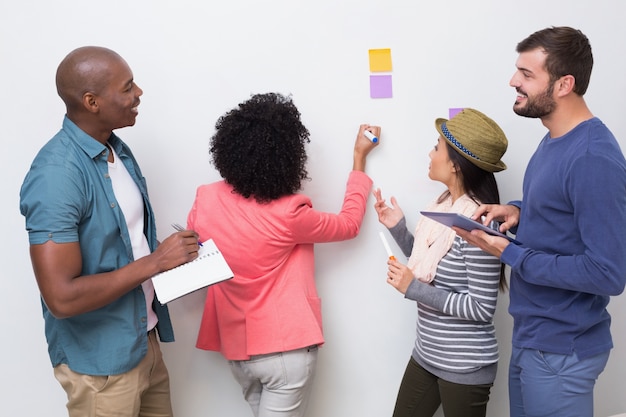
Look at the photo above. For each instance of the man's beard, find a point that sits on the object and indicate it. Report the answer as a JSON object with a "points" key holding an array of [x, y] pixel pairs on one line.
{"points": [[539, 106]]}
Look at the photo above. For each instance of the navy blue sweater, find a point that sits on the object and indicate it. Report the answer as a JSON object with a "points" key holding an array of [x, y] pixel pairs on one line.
{"points": [[573, 253]]}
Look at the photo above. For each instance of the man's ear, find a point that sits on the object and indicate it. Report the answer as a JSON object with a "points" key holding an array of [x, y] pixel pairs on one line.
{"points": [[565, 85], [90, 102]]}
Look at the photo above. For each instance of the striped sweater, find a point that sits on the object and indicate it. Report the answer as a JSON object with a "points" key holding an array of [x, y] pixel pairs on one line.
{"points": [[456, 338]]}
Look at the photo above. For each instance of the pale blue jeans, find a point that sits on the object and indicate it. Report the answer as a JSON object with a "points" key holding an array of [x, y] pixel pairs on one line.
{"points": [[545, 384], [277, 384]]}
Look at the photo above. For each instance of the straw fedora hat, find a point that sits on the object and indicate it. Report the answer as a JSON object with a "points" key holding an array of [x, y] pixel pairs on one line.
{"points": [[476, 137]]}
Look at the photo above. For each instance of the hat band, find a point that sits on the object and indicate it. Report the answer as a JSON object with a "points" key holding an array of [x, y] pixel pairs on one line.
{"points": [[456, 143]]}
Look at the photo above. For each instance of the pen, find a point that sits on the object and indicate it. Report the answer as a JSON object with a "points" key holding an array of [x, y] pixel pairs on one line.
{"points": [[180, 229], [387, 248], [370, 136]]}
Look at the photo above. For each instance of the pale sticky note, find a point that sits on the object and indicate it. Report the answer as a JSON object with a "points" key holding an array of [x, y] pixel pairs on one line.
{"points": [[380, 86], [453, 111], [380, 60]]}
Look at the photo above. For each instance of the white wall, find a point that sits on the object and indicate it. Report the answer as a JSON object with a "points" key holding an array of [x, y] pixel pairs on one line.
{"points": [[195, 60]]}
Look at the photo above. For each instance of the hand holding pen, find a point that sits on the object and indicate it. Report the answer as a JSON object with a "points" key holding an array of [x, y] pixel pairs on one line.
{"points": [[176, 249], [365, 142], [399, 276], [180, 228]]}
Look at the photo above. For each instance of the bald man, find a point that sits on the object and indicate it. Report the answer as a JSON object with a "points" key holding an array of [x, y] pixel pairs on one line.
{"points": [[94, 248]]}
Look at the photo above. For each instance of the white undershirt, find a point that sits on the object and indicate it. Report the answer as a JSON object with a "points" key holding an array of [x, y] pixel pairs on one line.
{"points": [[131, 203]]}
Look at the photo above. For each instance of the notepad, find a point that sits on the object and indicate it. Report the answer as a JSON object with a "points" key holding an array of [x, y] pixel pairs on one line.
{"points": [[208, 268]]}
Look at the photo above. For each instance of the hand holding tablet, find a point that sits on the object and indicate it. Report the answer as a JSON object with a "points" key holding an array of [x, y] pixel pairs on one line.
{"points": [[465, 223]]}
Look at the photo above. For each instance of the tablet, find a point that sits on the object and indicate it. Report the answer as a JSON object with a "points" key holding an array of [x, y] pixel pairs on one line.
{"points": [[463, 222]]}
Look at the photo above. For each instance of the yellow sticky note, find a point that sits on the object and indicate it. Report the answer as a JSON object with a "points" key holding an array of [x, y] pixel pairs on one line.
{"points": [[380, 60]]}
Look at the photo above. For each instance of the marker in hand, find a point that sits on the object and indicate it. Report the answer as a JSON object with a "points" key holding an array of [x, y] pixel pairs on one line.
{"points": [[370, 136], [387, 248]]}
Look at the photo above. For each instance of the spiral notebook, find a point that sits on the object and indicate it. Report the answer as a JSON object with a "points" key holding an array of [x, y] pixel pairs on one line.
{"points": [[208, 268]]}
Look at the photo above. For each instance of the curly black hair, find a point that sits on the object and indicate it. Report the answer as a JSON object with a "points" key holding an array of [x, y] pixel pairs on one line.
{"points": [[259, 147]]}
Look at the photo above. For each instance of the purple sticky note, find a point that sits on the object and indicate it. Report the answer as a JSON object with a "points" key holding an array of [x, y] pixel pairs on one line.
{"points": [[453, 111], [380, 86]]}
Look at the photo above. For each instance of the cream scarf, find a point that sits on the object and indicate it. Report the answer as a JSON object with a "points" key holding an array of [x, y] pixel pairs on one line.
{"points": [[433, 239]]}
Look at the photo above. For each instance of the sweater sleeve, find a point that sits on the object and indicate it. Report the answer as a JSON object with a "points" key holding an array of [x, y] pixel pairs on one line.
{"points": [[403, 237], [597, 190], [476, 302]]}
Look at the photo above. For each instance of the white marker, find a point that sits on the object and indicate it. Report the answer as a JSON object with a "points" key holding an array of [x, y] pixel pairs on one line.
{"points": [[387, 248], [370, 136]]}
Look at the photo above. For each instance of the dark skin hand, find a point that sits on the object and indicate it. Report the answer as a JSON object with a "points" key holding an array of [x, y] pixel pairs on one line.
{"points": [[363, 146], [57, 268]]}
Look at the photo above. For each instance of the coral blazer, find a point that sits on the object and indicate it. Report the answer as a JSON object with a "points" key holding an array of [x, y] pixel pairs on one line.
{"points": [[271, 305]]}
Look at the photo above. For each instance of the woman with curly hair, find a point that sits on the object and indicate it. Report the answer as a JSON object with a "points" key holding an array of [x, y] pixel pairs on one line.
{"points": [[267, 320]]}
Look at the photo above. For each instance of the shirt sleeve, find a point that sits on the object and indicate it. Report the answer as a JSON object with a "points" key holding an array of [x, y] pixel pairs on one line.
{"points": [[50, 202]]}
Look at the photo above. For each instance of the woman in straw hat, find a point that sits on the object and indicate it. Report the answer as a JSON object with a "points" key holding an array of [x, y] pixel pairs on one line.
{"points": [[455, 285]]}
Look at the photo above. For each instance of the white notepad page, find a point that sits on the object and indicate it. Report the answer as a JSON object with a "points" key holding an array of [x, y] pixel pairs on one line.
{"points": [[208, 268]]}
